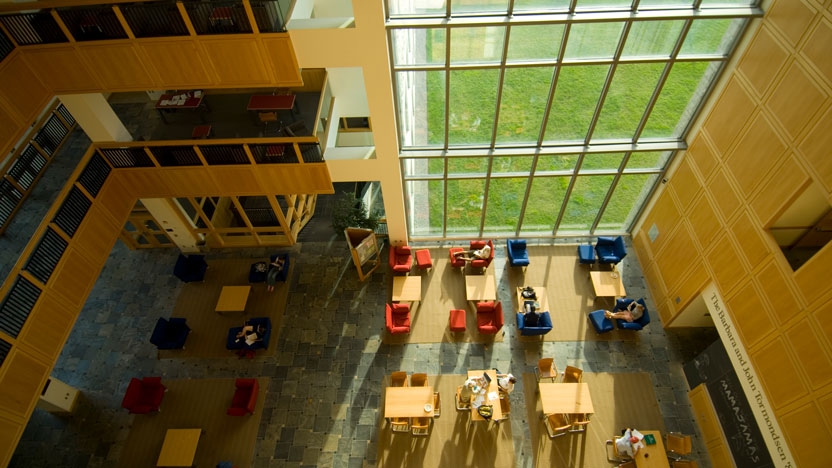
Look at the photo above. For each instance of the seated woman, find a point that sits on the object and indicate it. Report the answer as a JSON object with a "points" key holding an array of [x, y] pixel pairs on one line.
{"points": [[274, 271], [634, 311], [249, 334], [471, 255]]}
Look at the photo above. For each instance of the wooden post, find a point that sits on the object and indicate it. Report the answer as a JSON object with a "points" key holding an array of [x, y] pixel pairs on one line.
{"points": [[364, 250]]}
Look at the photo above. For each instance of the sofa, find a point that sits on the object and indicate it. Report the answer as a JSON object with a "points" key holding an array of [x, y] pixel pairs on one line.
{"points": [[190, 268], [233, 343], [397, 318], [170, 334], [143, 396], [544, 324], [400, 258], [622, 304], [489, 317], [245, 397], [518, 256], [610, 250]]}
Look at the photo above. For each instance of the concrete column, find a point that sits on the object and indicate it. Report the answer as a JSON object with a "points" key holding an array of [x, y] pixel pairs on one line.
{"points": [[164, 211], [95, 116]]}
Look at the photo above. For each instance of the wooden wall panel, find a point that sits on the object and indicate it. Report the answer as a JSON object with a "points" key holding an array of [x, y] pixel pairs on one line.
{"points": [[705, 414], [62, 69], [792, 19], [144, 181], [720, 455], [283, 179], [655, 281], [812, 357], [816, 49], [674, 263], [48, 326], [130, 71], [813, 277], [22, 89], [704, 221], [796, 99], [21, 382], [641, 244], [815, 149], [10, 432], [665, 216], [821, 315], [114, 199], [685, 185], [700, 154], [689, 289], [747, 308], [758, 151], [725, 263], [236, 61], [281, 46], [74, 277], [778, 192], [97, 235], [747, 235], [729, 115], [776, 292], [236, 180], [313, 80], [176, 63], [190, 181], [808, 436], [11, 129], [723, 194], [763, 60], [778, 372]]}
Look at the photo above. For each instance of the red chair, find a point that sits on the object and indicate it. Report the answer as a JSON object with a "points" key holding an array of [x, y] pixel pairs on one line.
{"points": [[144, 396], [456, 262], [400, 259], [245, 397], [397, 318], [456, 321], [482, 263], [489, 317]]}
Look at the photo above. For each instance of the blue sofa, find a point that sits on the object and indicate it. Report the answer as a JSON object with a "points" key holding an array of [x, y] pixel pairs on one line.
{"points": [[170, 334], [190, 268], [544, 324], [622, 304], [517, 253], [255, 276], [610, 250], [233, 343]]}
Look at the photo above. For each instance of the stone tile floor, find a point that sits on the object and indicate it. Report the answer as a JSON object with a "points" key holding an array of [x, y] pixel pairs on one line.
{"points": [[323, 401]]}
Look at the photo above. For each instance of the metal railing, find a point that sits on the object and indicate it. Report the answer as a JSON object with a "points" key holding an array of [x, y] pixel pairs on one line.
{"points": [[33, 28], [92, 23], [228, 17]]}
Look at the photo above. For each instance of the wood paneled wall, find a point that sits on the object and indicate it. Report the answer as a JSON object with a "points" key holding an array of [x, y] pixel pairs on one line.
{"points": [[765, 139]]}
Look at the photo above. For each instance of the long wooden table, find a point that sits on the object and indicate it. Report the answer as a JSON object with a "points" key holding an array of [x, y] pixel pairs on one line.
{"points": [[565, 398], [267, 102], [496, 409], [481, 287], [542, 298], [408, 402], [407, 288], [179, 447], [186, 100], [652, 456]]}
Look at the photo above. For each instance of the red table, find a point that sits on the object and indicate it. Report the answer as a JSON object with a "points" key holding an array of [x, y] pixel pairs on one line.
{"points": [[267, 102], [185, 100]]}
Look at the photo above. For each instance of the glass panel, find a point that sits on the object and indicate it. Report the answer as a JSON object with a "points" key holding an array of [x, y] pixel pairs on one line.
{"points": [[593, 40], [535, 42], [141, 240], [425, 197], [652, 38], [421, 105], [551, 162], [540, 5], [603, 4], [411, 8], [711, 36], [523, 104], [545, 200], [512, 165], [505, 199], [584, 203], [467, 166], [712, 3], [162, 239], [478, 6], [478, 44], [473, 104], [418, 46], [608, 161], [648, 4], [416, 167], [680, 97], [629, 195], [465, 199], [576, 94], [648, 160], [129, 227], [631, 89]]}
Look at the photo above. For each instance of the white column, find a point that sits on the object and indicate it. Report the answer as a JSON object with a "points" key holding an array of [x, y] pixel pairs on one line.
{"points": [[164, 211], [95, 116]]}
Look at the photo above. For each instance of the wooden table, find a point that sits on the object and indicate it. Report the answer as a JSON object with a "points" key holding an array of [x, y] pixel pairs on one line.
{"points": [[233, 299], [184, 100], [481, 287], [408, 402], [179, 447], [607, 286], [657, 455], [270, 102], [407, 288], [542, 299], [565, 398], [497, 410]]}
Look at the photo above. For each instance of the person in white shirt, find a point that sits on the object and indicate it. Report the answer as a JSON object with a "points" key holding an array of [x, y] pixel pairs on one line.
{"points": [[634, 311], [628, 443], [506, 383], [480, 254]]}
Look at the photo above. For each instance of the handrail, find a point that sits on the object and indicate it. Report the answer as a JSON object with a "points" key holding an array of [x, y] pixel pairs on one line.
{"points": [[53, 4]]}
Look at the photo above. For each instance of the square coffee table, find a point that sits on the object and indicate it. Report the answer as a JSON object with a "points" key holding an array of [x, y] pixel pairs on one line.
{"points": [[407, 288], [481, 287], [607, 284], [233, 299], [179, 447]]}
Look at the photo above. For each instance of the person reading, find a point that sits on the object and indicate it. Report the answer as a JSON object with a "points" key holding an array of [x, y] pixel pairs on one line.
{"points": [[274, 271], [471, 255], [634, 311], [629, 443]]}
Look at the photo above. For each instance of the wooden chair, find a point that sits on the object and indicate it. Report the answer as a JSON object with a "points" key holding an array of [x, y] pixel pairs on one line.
{"points": [[266, 117], [400, 425], [613, 456], [419, 380], [572, 375], [421, 426], [437, 405], [460, 406], [628, 464], [677, 445], [579, 422], [546, 369], [683, 464], [557, 425], [398, 379], [505, 406]]}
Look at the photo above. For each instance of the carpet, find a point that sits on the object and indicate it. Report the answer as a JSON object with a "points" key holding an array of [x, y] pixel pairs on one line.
{"points": [[570, 294], [620, 400], [196, 403], [443, 289], [209, 330], [453, 441]]}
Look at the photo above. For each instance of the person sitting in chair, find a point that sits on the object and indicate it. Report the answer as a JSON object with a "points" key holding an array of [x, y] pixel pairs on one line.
{"points": [[249, 334], [471, 255], [634, 311], [274, 271]]}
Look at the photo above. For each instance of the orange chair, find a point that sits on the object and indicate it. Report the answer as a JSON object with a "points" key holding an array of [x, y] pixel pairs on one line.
{"points": [[398, 379], [400, 259], [397, 318], [546, 369], [557, 425], [419, 380], [489, 317], [572, 375], [245, 397]]}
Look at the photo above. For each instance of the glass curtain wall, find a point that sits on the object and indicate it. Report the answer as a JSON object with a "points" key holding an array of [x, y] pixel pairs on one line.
{"points": [[548, 117]]}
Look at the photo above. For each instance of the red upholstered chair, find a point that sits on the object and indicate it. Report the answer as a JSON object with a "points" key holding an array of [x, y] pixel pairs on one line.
{"points": [[489, 317], [482, 263], [456, 321], [143, 396], [400, 259], [397, 318], [245, 397], [456, 262]]}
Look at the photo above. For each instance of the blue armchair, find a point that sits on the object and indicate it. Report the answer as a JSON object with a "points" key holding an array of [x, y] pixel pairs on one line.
{"points": [[255, 276], [170, 334], [262, 342], [621, 304], [544, 324], [517, 253], [610, 250], [190, 268]]}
